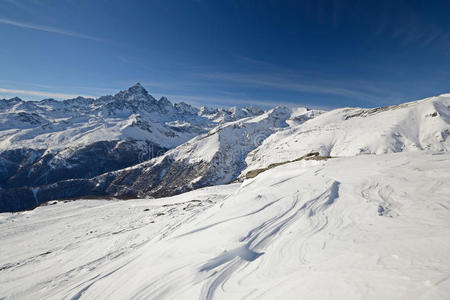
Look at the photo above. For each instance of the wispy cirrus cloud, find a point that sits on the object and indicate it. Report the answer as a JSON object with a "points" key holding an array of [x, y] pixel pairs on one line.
{"points": [[46, 28], [221, 101], [41, 94], [280, 82]]}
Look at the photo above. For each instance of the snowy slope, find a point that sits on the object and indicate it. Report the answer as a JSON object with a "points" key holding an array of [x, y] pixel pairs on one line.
{"points": [[363, 227], [415, 126], [226, 146]]}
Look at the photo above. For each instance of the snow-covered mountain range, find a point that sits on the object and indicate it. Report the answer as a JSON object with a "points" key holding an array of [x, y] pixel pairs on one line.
{"points": [[286, 203], [45, 142], [132, 145], [132, 114]]}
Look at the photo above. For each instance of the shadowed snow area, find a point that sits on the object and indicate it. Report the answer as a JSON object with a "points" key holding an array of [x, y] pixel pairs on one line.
{"points": [[362, 227]]}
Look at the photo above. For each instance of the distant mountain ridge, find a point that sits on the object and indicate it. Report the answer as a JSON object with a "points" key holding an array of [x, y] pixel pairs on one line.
{"points": [[139, 116]]}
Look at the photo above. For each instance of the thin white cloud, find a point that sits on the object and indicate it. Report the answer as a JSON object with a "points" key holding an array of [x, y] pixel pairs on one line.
{"points": [[47, 29], [41, 94], [217, 101], [281, 83]]}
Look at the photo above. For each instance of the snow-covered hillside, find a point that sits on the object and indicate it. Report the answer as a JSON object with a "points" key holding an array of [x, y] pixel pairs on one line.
{"points": [[414, 126], [216, 157], [362, 227]]}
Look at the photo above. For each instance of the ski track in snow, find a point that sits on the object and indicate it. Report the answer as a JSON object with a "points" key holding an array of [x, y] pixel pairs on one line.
{"points": [[367, 227]]}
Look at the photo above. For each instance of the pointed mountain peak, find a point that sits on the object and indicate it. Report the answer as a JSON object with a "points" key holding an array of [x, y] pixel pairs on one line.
{"points": [[138, 88], [165, 105], [134, 93], [15, 99]]}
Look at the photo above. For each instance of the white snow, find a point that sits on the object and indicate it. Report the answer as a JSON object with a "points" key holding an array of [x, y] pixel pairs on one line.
{"points": [[415, 126], [363, 227], [372, 222]]}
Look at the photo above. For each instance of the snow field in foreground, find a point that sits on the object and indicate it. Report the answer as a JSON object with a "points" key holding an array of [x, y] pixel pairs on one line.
{"points": [[365, 227]]}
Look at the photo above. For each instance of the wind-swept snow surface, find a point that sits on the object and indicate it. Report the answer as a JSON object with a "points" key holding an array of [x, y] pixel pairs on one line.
{"points": [[364, 227]]}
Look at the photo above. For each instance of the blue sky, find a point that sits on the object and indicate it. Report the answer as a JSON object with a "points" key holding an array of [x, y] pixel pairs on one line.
{"points": [[315, 53]]}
